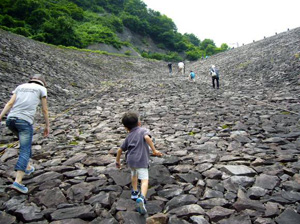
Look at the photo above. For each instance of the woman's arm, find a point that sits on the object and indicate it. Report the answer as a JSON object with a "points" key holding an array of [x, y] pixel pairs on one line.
{"points": [[8, 106]]}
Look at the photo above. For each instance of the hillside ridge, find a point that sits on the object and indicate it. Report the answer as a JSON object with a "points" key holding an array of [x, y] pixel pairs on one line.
{"points": [[230, 155]]}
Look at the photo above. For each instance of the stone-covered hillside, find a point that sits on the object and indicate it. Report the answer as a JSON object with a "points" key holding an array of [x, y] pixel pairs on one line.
{"points": [[230, 155]]}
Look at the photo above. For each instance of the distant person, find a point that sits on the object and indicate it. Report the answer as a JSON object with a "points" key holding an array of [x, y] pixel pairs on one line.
{"points": [[214, 72], [192, 76], [137, 145], [22, 106], [181, 68], [170, 68]]}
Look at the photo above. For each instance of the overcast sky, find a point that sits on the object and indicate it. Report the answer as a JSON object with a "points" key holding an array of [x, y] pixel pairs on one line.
{"points": [[230, 21]]}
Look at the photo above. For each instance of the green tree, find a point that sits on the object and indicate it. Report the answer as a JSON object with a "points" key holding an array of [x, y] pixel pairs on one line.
{"points": [[181, 46], [135, 24], [60, 32], [193, 39], [38, 17], [22, 9], [210, 50], [194, 54], [136, 8], [9, 21], [224, 47], [204, 44]]}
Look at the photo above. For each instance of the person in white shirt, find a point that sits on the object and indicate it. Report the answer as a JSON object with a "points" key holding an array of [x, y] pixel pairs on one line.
{"points": [[22, 106], [181, 68]]}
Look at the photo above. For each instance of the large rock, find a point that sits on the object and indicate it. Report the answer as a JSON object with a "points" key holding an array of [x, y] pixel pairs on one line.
{"points": [[50, 197], [288, 216], [81, 212], [239, 170], [180, 201]]}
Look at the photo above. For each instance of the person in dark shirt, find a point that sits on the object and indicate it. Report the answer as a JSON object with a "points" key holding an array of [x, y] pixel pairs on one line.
{"points": [[170, 68], [214, 76], [137, 145]]}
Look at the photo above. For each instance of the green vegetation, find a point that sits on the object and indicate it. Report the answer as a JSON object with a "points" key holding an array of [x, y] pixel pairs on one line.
{"points": [[243, 65], [73, 143], [80, 23], [191, 133], [225, 126]]}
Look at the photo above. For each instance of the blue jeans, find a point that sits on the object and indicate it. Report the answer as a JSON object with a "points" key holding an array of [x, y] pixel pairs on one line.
{"points": [[24, 131]]}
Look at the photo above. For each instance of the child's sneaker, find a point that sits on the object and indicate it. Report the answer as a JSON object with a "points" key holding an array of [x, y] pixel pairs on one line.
{"points": [[28, 172], [19, 187], [140, 202], [134, 194]]}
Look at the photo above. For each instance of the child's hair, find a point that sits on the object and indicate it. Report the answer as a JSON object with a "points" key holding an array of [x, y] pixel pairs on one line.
{"points": [[130, 120]]}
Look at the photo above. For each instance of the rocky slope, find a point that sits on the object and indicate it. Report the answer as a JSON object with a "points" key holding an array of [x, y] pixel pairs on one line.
{"points": [[230, 155], [138, 42]]}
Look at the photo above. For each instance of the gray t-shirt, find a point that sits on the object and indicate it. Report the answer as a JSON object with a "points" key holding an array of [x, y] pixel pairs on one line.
{"points": [[138, 150], [29, 96]]}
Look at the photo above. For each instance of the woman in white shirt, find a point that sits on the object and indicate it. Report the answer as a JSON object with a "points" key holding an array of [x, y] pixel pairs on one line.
{"points": [[22, 106]]}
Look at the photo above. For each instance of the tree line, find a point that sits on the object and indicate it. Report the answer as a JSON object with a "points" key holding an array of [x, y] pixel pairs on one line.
{"points": [[80, 23]]}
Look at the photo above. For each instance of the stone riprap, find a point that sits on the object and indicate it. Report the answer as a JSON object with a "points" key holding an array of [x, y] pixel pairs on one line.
{"points": [[230, 155]]}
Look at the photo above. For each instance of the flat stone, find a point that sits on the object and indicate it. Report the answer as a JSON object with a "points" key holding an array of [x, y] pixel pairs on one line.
{"points": [[272, 209], [79, 192], [158, 218], [154, 206], [159, 174], [234, 182], [130, 217], [50, 197], [105, 199], [187, 210], [243, 204], [125, 205], [170, 193], [29, 213], [7, 218], [239, 219], [267, 181], [213, 173], [81, 212], [218, 213], [121, 177], [238, 170], [76, 158], [69, 221], [180, 200], [190, 177], [288, 216], [48, 176], [199, 219], [212, 202], [256, 192]]}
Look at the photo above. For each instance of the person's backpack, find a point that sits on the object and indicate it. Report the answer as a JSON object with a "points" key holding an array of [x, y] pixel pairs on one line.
{"points": [[213, 73]]}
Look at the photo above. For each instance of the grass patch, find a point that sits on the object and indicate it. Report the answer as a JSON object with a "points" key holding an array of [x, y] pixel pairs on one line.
{"points": [[243, 65], [192, 133], [73, 143], [107, 83], [225, 126]]}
